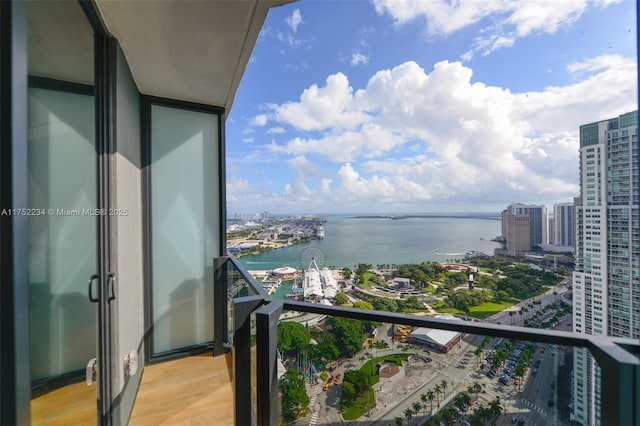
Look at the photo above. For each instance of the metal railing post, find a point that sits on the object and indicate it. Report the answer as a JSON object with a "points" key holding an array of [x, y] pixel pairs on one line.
{"points": [[267, 380], [619, 383], [220, 303]]}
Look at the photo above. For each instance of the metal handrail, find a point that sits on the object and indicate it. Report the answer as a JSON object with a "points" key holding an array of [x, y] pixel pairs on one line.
{"points": [[617, 357]]}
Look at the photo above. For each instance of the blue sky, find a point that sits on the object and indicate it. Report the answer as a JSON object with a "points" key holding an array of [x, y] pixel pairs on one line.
{"points": [[354, 106]]}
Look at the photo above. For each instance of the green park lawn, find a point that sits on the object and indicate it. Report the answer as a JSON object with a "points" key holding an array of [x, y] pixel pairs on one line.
{"points": [[365, 279], [488, 308], [359, 406]]}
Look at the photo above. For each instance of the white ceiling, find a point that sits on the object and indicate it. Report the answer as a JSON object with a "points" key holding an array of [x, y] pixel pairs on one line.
{"points": [[60, 41], [189, 50], [192, 50]]}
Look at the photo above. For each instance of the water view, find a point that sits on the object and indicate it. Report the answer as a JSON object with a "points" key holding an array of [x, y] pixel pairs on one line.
{"points": [[350, 240]]}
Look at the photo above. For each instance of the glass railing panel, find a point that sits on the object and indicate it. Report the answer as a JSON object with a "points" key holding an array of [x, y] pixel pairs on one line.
{"points": [[239, 284], [254, 365], [337, 370]]}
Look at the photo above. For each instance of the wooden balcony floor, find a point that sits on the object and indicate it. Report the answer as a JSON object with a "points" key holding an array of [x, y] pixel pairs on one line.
{"points": [[190, 391]]}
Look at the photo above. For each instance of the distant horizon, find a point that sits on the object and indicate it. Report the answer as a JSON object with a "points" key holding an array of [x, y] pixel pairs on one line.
{"points": [[382, 214]]}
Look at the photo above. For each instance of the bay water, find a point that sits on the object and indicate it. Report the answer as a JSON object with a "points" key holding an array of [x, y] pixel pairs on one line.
{"points": [[350, 240]]}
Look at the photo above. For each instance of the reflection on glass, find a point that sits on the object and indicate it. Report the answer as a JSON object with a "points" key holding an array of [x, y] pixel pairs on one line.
{"points": [[332, 368], [183, 181], [61, 251]]}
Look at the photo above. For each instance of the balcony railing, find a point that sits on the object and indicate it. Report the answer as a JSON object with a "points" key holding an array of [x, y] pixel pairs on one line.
{"points": [[253, 318]]}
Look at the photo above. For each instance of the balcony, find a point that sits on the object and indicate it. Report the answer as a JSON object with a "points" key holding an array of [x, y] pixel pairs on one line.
{"points": [[414, 381]]}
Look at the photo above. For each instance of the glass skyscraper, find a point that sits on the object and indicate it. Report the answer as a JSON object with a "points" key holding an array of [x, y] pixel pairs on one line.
{"points": [[606, 281]]}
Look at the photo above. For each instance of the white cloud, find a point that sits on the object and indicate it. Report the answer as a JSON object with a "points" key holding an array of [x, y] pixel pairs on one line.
{"points": [[358, 58], [509, 19], [259, 120], [325, 185], [294, 20], [322, 107], [410, 136], [276, 131]]}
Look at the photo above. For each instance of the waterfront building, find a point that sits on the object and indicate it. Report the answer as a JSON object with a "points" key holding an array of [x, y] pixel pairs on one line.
{"points": [[538, 221], [606, 281], [518, 233], [563, 228]]}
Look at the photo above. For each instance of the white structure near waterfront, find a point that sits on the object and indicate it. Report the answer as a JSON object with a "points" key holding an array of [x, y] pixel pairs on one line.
{"points": [[319, 283]]}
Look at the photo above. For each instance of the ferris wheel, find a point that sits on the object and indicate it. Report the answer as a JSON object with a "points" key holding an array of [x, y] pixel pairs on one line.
{"points": [[312, 257]]}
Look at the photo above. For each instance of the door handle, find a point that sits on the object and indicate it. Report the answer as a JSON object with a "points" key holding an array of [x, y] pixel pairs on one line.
{"points": [[92, 279], [111, 284]]}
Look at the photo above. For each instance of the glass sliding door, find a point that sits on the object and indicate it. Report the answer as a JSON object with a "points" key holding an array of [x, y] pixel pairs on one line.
{"points": [[184, 157], [61, 195], [62, 248]]}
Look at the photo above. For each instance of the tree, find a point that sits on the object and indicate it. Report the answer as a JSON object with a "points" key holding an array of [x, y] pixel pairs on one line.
{"points": [[408, 414], [359, 379], [431, 395], [326, 349], [478, 353], [416, 407], [502, 296], [349, 334], [399, 421], [437, 389], [423, 398], [341, 299], [348, 391], [444, 388], [475, 387], [385, 304], [363, 305], [293, 336], [462, 400], [346, 273], [449, 415], [294, 395], [495, 409]]}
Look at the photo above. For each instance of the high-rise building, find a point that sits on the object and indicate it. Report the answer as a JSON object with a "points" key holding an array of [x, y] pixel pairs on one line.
{"points": [[606, 281], [518, 233], [538, 222], [563, 228]]}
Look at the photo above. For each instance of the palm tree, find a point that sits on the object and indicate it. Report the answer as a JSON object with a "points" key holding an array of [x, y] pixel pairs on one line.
{"points": [[475, 387], [431, 395], [416, 407], [449, 415], [437, 390], [408, 414], [399, 421], [423, 398], [462, 400], [478, 354], [495, 408], [444, 388]]}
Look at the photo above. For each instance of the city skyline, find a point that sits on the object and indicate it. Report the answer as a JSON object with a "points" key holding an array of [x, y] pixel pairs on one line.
{"points": [[424, 107]]}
